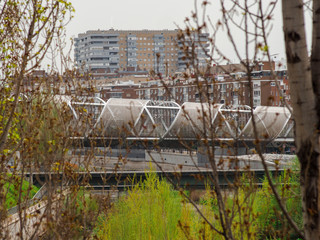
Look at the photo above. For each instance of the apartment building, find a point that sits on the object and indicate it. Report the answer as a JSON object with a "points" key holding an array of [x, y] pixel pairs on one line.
{"points": [[192, 44], [233, 89], [105, 52]]}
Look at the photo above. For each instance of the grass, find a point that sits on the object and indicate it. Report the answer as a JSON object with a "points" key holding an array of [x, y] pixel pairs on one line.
{"points": [[11, 189]]}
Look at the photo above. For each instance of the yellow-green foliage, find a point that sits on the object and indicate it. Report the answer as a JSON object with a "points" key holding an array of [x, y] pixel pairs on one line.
{"points": [[270, 221], [239, 208], [13, 186], [13, 136], [254, 211], [152, 210]]}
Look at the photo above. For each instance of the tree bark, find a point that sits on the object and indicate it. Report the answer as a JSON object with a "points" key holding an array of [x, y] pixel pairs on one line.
{"points": [[315, 75], [304, 103]]}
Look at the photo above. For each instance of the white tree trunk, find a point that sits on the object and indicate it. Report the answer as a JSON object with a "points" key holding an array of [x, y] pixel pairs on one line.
{"points": [[304, 103], [315, 73]]}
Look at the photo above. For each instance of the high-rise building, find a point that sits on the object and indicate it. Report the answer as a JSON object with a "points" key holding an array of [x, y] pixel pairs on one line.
{"points": [[110, 51]]}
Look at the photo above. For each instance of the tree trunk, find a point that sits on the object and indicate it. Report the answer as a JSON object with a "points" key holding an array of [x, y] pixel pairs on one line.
{"points": [[304, 112], [315, 74]]}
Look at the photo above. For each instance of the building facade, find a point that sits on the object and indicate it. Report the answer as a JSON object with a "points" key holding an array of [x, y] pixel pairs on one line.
{"points": [[229, 89], [104, 52]]}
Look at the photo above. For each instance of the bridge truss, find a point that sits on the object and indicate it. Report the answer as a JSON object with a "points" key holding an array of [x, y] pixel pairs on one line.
{"points": [[139, 119]]}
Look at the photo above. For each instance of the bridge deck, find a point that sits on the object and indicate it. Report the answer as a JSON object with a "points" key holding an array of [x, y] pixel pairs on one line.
{"points": [[125, 179]]}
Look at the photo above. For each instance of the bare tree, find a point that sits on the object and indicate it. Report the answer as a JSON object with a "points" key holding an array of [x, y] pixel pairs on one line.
{"points": [[28, 29], [254, 20], [303, 70]]}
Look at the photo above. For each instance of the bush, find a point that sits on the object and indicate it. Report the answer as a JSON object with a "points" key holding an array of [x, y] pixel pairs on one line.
{"points": [[11, 190], [271, 221], [153, 210]]}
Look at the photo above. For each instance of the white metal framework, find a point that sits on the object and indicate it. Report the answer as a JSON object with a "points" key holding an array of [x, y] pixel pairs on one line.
{"points": [[146, 119]]}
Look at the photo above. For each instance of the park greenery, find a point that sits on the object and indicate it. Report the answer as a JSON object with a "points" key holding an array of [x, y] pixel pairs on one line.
{"points": [[152, 209], [17, 190]]}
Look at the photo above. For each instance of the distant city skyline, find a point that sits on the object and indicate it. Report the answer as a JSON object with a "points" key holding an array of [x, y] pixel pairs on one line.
{"points": [[152, 14], [105, 52]]}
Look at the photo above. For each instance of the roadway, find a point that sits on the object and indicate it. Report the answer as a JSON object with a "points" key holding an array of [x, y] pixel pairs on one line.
{"points": [[122, 180]]}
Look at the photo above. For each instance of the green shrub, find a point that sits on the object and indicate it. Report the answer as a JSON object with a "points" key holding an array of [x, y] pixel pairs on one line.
{"points": [[11, 190], [151, 210], [271, 221]]}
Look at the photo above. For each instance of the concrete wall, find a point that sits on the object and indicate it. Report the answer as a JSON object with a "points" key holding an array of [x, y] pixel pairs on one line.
{"points": [[172, 158], [219, 152], [132, 154]]}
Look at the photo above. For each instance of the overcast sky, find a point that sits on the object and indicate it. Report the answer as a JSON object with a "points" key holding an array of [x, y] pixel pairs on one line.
{"points": [[155, 14], [129, 14]]}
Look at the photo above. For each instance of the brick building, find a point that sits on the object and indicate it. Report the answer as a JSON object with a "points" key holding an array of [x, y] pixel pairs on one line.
{"points": [[224, 88], [123, 90]]}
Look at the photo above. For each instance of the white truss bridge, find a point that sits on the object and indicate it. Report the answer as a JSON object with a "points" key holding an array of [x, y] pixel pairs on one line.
{"points": [[137, 119]]}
